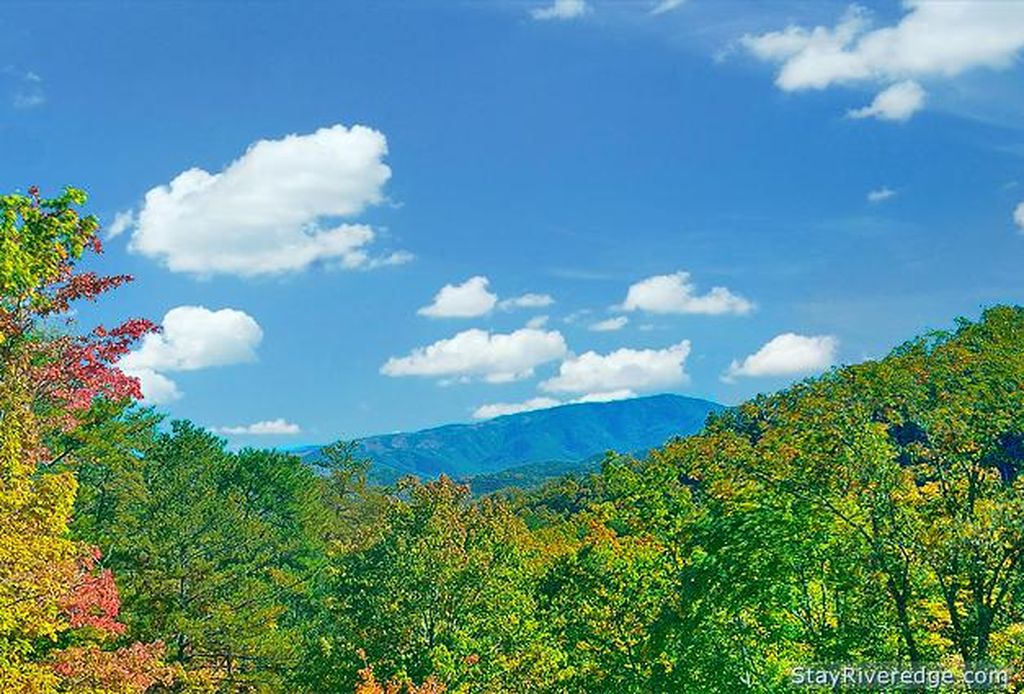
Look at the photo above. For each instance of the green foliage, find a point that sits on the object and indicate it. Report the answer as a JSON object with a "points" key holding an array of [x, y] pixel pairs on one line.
{"points": [[447, 589], [37, 237], [874, 514], [528, 477], [58, 606], [213, 549]]}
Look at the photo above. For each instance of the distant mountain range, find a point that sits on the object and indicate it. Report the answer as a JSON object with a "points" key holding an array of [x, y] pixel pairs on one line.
{"points": [[527, 446]]}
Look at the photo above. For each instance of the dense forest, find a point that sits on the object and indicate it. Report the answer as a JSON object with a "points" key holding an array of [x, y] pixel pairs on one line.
{"points": [[871, 515]]}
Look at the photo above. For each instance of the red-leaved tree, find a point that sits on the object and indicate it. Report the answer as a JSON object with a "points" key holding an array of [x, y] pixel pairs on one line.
{"points": [[58, 606]]}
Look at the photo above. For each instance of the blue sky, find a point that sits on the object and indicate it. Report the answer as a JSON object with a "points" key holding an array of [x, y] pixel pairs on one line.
{"points": [[614, 162]]}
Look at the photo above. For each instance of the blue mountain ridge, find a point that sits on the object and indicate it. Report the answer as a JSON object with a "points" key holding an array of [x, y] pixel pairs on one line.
{"points": [[557, 437]]}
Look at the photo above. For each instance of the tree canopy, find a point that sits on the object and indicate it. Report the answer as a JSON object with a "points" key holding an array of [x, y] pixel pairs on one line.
{"points": [[874, 514]]}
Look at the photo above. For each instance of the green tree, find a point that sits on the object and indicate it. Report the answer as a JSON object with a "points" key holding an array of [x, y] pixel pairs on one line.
{"points": [[216, 549], [446, 590], [58, 607]]}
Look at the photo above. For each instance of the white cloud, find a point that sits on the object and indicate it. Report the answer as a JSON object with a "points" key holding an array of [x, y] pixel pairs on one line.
{"points": [[270, 427], [123, 221], [785, 355], [29, 92], [526, 301], [813, 58], [466, 300], [1018, 216], [157, 389], [473, 298], [537, 322], [677, 294], [666, 6], [609, 324], [933, 40], [578, 316], [28, 98], [193, 337], [897, 103], [389, 260], [561, 9], [275, 209], [607, 396], [499, 409], [495, 358], [881, 194], [621, 370]]}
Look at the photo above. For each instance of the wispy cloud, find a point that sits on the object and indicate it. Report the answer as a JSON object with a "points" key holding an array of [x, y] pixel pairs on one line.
{"points": [[499, 409], [28, 92], [666, 6], [609, 325], [880, 194], [123, 221], [561, 9], [897, 103], [270, 427]]}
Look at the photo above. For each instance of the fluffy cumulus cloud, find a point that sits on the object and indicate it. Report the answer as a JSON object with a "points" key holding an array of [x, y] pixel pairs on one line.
{"points": [[467, 300], [677, 294], [192, 338], [881, 194], [1018, 216], [499, 409], [785, 355], [276, 209], [270, 427], [478, 354], [561, 9], [609, 325], [623, 370], [156, 388], [898, 103], [932, 40], [474, 298]]}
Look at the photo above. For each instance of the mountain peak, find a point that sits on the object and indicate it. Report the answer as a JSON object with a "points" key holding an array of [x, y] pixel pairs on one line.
{"points": [[562, 434]]}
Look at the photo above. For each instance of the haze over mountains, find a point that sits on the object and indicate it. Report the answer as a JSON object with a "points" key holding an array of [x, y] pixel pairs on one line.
{"points": [[558, 439]]}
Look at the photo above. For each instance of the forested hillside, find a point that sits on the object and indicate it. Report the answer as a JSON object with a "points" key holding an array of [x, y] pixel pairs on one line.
{"points": [[872, 515], [557, 438]]}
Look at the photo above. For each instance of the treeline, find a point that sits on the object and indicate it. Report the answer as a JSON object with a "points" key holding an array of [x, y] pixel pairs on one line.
{"points": [[871, 515]]}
